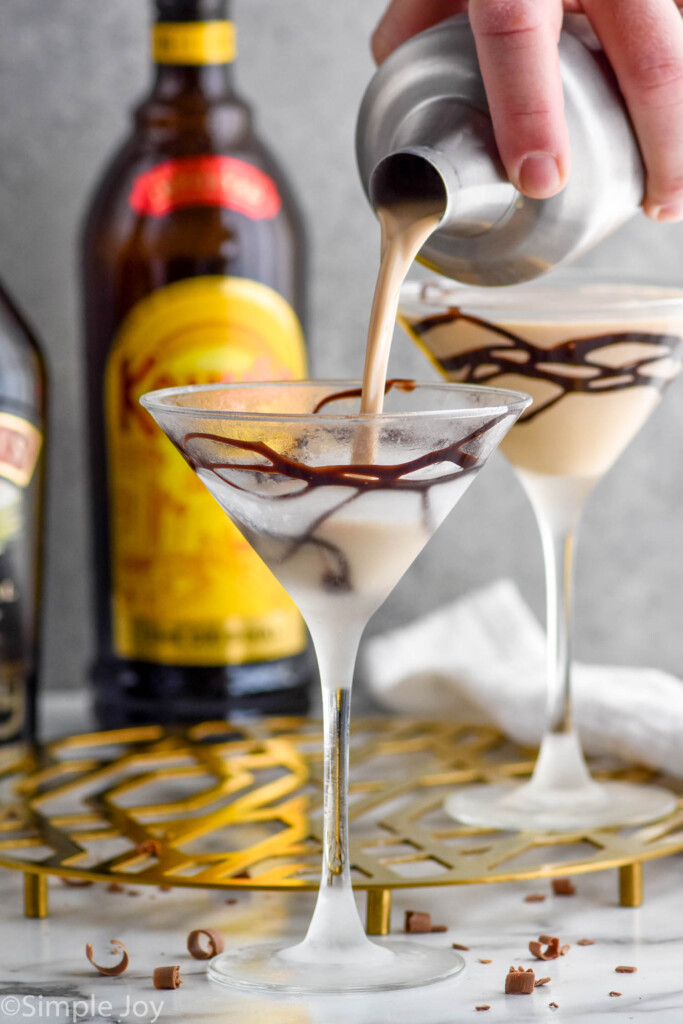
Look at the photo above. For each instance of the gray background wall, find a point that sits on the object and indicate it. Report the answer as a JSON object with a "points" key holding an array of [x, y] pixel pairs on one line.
{"points": [[69, 72]]}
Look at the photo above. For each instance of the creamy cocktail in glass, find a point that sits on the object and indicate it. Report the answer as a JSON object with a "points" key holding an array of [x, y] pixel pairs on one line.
{"points": [[338, 503], [595, 352]]}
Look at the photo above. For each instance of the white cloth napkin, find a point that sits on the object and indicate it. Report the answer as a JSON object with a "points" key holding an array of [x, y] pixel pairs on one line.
{"points": [[482, 660]]}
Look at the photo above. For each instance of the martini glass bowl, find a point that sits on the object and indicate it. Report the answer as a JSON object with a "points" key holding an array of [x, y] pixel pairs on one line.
{"points": [[595, 350], [338, 505]]}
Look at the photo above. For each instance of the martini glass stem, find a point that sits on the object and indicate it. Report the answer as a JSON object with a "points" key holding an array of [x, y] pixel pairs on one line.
{"points": [[558, 555], [336, 933], [558, 503], [336, 718]]}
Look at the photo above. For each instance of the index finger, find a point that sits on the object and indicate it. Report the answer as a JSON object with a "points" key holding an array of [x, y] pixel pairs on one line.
{"points": [[517, 44]]}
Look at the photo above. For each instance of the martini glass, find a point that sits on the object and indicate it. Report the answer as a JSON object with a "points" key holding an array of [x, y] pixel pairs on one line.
{"points": [[338, 505], [595, 352]]}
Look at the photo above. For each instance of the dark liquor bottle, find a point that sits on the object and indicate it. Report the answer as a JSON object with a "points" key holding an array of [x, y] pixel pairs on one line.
{"points": [[22, 423], [194, 272]]}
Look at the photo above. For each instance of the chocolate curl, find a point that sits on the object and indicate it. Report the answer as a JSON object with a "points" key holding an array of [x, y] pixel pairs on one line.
{"points": [[519, 982], [167, 977], [563, 887], [117, 969], [551, 952], [418, 921], [215, 941]]}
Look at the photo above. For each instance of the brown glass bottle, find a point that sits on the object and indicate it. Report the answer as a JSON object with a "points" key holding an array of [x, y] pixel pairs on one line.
{"points": [[22, 425], [193, 272]]}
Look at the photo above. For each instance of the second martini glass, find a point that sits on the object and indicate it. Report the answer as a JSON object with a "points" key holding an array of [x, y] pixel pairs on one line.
{"points": [[595, 351], [338, 505]]}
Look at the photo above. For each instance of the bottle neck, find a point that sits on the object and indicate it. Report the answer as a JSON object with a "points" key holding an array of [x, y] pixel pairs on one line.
{"points": [[193, 49]]}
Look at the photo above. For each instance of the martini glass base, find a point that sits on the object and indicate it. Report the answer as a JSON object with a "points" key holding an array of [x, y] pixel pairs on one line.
{"points": [[266, 967], [522, 808]]}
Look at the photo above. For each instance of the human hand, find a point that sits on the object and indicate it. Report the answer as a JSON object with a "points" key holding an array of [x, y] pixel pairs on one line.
{"points": [[517, 48]]}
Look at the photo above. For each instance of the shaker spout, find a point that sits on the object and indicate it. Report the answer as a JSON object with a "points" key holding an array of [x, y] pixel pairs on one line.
{"points": [[449, 153]]}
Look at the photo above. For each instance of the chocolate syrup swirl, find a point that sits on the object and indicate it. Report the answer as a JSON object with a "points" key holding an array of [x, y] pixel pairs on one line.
{"points": [[357, 478], [589, 375], [397, 383]]}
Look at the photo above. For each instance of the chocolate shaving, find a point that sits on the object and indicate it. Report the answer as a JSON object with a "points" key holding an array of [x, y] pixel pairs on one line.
{"points": [[417, 921], [534, 897], [519, 982], [74, 883], [563, 887], [485, 961], [231, 901], [565, 949], [615, 993], [541, 981], [554, 1006], [439, 928], [117, 969], [484, 1007], [151, 847], [215, 942], [132, 892], [586, 942], [167, 977], [165, 888], [115, 887], [625, 970], [459, 945], [552, 950]]}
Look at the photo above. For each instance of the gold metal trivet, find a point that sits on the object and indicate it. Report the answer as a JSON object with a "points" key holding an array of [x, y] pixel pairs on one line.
{"points": [[238, 805]]}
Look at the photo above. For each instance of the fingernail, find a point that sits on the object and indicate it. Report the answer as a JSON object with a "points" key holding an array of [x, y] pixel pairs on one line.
{"points": [[672, 211], [539, 175]]}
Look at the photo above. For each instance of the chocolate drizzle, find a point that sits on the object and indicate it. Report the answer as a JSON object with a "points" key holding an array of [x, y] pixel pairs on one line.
{"points": [[395, 383], [571, 366], [359, 479]]}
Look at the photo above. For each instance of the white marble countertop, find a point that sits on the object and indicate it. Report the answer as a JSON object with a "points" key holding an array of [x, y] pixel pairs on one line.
{"points": [[44, 974]]}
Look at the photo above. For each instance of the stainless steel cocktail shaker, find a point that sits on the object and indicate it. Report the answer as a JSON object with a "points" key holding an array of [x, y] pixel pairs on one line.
{"points": [[424, 128]]}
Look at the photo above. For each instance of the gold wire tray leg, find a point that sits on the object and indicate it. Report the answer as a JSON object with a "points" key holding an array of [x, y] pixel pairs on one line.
{"points": [[378, 912], [631, 884], [35, 895]]}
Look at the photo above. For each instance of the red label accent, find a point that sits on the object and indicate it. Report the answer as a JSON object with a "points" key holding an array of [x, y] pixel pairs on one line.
{"points": [[19, 447], [206, 181]]}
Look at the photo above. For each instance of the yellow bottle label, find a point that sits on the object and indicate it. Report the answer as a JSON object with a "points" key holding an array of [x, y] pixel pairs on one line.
{"points": [[194, 42], [187, 588]]}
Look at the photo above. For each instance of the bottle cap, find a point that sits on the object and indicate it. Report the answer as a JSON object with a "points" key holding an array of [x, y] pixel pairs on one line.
{"points": [[191, 10]]}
